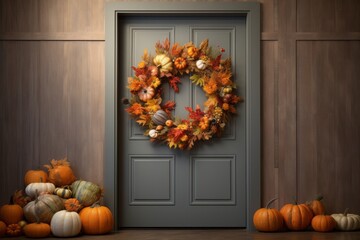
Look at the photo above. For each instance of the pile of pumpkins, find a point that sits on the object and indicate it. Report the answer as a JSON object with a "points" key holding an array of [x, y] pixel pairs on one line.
{"points": [[57, 204], [298, 217]]}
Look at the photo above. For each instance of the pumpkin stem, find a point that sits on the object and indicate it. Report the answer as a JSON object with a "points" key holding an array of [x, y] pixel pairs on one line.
{"points": [[271, 201], [319, 197], [346, 212]]}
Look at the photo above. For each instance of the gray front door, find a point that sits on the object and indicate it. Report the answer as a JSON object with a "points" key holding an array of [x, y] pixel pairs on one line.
{"points": [[162, 187]]}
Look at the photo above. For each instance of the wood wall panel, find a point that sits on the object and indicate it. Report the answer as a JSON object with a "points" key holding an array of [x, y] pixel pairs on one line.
{"points": [[52, 94], [328, 16], [328, 117], [269, 171]]}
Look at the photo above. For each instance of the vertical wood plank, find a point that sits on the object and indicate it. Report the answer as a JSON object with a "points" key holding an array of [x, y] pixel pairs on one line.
{"points": [[287, 102], [269, 110]]}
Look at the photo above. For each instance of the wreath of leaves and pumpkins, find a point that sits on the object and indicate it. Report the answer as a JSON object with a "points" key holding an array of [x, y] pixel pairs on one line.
{"points": [[208, 71]]}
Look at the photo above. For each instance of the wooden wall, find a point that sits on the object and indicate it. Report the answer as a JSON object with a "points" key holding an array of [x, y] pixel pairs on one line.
{"points": [[52, 95]]}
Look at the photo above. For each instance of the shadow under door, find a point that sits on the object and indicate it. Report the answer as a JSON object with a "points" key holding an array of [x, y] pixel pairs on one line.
{"points": [[162, 187]]}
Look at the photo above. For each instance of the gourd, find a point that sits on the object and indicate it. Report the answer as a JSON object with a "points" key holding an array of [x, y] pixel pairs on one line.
{"points": [[60, 172], [63, 192], [160, 117], [34, 176], [346, 221], [35, 189], [96, 219], [316, 206], [65, 224], [268, 219], [2, 228], [72, 205], [11, 213], [37, 230], [296, 216], [323, 223], [153, 133], [163, 62], [43, 208], [86, 192], [146, 94]]}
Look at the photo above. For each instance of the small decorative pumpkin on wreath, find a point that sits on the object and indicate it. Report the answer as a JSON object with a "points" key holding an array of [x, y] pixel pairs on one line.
{"points": [[210, 73]]}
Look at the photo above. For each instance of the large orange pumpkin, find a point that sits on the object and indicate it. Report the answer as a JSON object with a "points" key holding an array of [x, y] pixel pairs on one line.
{"points": [[268, 219], [316, 206], [2, 228], [11, 213], [296, 216], [96, 219], [323, 223], [35, 176], [60, 172]]}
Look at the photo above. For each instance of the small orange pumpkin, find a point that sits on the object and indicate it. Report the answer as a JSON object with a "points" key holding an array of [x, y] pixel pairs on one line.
{"points": [[192, 51], [60, 172], [296, 216], [323, 223], [2, 228], [268, 219], [180, 63], [35, 176], [316, 206], [72, 205], [96, 219], [146, 93], [13, 230]]}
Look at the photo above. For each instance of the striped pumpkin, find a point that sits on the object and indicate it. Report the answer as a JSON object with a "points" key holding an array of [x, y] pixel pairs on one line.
{"points": [[160, 117], [43, 208], [63, 192], [86, 192]]}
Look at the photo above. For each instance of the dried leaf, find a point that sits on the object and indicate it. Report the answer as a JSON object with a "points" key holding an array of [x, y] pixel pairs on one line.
{"points": [[174, 81]]}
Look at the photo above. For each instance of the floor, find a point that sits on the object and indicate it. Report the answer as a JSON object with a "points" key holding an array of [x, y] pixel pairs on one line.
{"points": [[218, 234]]}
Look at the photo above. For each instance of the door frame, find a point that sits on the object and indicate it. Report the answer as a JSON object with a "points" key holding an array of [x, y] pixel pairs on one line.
{"points": [[251, 11]]}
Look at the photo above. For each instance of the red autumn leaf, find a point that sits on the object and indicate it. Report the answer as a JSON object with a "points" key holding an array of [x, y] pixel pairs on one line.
{"points": [[174, 81], [169, 106], [139, 71], [176, 134], [196, 115], [216, 62]]}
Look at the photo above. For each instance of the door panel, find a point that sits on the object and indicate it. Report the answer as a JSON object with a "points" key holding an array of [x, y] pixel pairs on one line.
{"points": [[162, 187]]}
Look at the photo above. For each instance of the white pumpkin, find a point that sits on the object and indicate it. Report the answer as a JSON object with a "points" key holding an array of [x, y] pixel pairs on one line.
{"points": [[65, 224], [346, 221], [200, 64], [163, 62], [153, 133], [34, 189]]}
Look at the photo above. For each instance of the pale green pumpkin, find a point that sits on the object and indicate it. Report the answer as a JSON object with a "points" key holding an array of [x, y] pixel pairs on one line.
{"points": [[86, 192]]}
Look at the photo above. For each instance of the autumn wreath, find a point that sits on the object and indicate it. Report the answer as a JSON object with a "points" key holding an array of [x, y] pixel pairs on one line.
{"points": [[212, 74]]}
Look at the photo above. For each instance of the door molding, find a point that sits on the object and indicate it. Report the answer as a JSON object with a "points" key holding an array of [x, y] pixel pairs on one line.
{"points": [[251, 11]]}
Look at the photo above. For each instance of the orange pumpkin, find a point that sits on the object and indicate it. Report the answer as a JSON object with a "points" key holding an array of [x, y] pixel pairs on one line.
{"points": [[192, 52], [13, 230], [316, 206], [268, 219], [2, 228], [60, 172], [35, 176], [11, 213], [37, 230], [180, 63], [96, 219], [296, 216], [323, 223], [72, 205]]}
